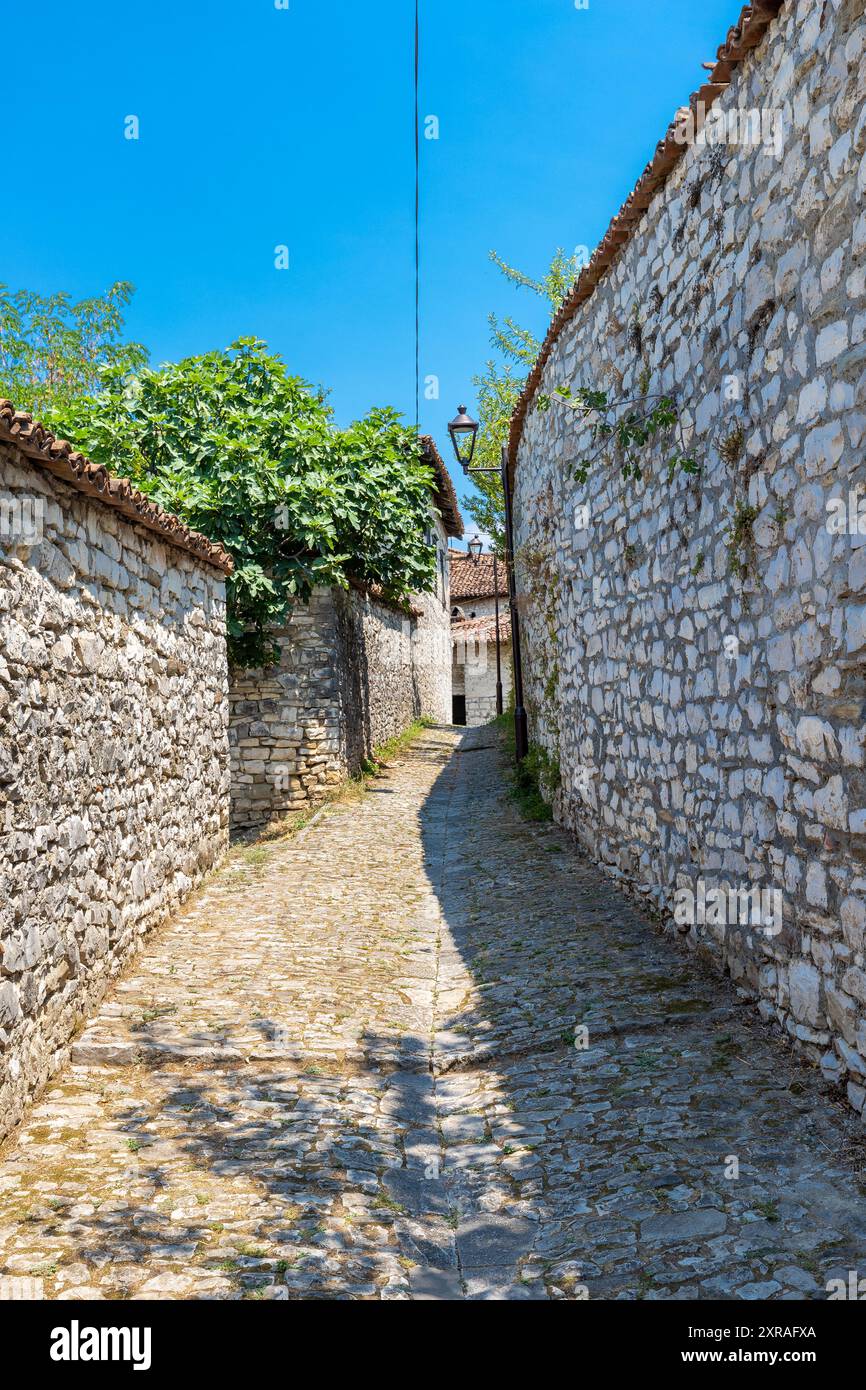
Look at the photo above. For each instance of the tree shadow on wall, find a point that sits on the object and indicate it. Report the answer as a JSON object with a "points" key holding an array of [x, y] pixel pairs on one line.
{"points": [[354, 686]]}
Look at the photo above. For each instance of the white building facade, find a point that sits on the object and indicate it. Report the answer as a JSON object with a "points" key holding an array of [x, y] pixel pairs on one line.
{"points": [[474, 597]]}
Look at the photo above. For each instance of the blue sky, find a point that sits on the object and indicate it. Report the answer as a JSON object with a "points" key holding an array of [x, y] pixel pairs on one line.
{"points": [[262, 126]]}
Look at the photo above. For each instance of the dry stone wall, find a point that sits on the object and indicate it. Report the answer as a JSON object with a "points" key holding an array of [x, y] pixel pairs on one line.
{"points": [[352, 673], [696, 648], [285, 726], [113, 754]]}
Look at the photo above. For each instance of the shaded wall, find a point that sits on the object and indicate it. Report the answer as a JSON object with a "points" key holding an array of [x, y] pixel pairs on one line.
{"points": [[696, 648]]}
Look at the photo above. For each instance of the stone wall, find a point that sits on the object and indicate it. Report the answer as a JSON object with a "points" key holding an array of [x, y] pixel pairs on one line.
{"points": [[353, 672], [113, 754], [696, 648]]}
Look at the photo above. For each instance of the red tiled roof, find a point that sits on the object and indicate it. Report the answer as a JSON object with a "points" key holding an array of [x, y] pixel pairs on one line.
{"points": [[21, 431], [481, 629], [446, 497], [474, 578], [746, 34]]}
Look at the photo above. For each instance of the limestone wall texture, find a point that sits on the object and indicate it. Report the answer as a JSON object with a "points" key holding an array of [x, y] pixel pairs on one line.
{"points": [[696, 649], [353, 672], [113, 754]]}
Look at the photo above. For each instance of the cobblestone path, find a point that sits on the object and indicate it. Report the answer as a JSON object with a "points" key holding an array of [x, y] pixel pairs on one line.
{"points": [[347, 1071]]}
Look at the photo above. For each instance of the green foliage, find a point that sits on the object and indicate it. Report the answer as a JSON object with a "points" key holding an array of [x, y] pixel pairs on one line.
{"points": [[518, 344], [249, 455], [500, 384], [52, 352], [396, 745], [496, 390], [740, 538], [534, 782], [732, 446], [628, 432]]}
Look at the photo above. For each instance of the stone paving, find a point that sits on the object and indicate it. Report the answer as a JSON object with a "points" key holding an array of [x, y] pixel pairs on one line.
{"points": [[348, 1071]]}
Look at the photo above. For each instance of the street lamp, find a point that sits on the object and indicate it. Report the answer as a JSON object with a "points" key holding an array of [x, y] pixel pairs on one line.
{"points": [[464, 432], [475, 548]]}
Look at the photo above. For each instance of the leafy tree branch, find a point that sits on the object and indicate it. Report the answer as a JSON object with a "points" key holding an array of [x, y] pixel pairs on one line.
{"points": [[615, 426], [498, 387], [238, 449]]}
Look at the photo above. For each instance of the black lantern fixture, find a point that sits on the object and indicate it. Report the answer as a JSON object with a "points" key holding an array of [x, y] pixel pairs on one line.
{"points": [[464, 432], [476, 546]]}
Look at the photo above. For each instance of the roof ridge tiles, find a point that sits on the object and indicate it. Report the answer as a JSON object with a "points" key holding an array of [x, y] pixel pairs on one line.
{"points": [[446, 497], [32, 439]]}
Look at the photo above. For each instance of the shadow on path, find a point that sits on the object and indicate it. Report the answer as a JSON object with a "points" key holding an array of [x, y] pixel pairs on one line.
{"points": [[682, 1153], [350, 1072]]}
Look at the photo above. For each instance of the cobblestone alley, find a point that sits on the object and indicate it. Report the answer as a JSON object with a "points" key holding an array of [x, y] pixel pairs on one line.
{"points": [[347, 1070]]}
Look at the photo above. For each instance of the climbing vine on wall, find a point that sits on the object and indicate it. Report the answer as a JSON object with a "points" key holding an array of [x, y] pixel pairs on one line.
{"points": [[626, 426], [740, 538]]}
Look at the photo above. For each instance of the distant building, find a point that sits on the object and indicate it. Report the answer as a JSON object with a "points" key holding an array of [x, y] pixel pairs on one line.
{"points": [[473, 637]]}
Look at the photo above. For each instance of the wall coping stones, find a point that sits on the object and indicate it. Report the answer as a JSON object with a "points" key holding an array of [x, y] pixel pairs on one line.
{"points": [[33, 441]]}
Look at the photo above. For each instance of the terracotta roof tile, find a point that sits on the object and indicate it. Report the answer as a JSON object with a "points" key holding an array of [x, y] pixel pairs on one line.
{"points": [[22, 432], [741, 37], [474, 578], [481, 629]]}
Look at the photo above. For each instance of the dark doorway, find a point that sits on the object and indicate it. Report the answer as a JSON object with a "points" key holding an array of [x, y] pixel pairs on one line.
{"points": [[458, 709]]}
